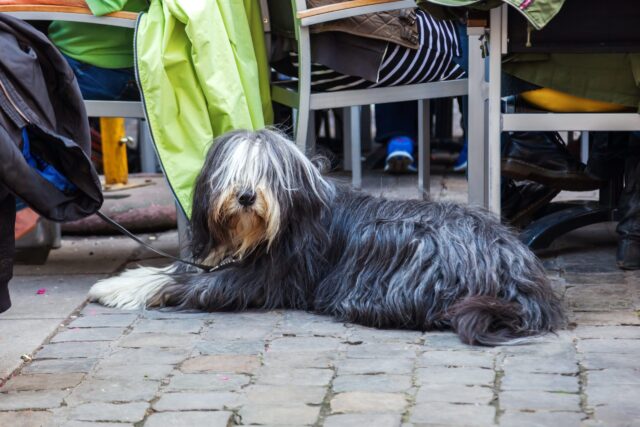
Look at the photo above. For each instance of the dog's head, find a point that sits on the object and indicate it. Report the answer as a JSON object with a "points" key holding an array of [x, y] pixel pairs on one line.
{"points": [[251, 187]]}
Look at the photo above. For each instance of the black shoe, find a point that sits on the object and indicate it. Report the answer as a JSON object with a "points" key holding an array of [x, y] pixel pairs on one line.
{"points": [[5, 301], [542, 157], [522, 200], [628, 255]]}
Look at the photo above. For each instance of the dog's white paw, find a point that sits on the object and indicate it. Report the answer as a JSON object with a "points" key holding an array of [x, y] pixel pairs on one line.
{"points": [[132, 289]]}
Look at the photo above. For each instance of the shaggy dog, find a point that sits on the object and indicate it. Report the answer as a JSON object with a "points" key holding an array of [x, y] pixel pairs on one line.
{"points": [[299, 241]]}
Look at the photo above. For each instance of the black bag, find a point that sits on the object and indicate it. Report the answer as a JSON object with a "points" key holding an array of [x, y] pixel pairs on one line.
{"points": [[40, 102]]}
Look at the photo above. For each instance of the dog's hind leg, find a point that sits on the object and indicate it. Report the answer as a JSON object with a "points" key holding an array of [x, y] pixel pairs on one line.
{"points": [[132, 289]]}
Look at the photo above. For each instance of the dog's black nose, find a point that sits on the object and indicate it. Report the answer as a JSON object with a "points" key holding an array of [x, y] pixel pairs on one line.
{"points": [[247, 198]]}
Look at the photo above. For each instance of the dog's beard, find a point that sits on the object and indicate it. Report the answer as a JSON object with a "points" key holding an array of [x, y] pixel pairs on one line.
{"points": [[243, 228]]}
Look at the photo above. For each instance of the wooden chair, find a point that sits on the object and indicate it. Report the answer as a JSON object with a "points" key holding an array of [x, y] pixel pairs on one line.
{"points": [[542, 232], [297, 19]]}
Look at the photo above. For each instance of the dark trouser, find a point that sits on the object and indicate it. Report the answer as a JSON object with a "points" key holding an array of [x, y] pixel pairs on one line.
{"points": [[7, 224], [610, 153]]}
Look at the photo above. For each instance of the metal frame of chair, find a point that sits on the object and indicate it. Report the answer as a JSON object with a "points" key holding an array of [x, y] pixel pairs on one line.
{"points": [[305, 101], [498, 122]]}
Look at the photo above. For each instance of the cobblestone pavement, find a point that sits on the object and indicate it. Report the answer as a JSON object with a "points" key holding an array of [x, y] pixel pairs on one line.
{"points": [[105, 367]]}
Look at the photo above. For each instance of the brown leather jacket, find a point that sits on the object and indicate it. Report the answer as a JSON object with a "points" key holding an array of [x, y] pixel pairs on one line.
{"points": [[397, 26]]}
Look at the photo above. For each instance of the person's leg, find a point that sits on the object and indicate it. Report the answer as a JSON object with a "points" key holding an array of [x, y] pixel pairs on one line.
{"points": [[397, 127], [628, 255], [105, 84], [7, 222]]}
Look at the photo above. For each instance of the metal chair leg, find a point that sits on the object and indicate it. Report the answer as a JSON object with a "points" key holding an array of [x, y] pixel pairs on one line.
{"points": [[424, 148], [356, 148]]}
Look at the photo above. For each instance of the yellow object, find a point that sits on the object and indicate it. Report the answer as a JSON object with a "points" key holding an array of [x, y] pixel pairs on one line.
{"points": [[560, 102], [114, 150]]}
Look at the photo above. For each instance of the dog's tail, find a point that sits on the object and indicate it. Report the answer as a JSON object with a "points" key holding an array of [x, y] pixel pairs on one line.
{"points": [[132, 289], [488, 320]]}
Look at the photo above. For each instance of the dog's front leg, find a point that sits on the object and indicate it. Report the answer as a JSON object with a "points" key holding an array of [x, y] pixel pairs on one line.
{"points": [[174, 286]]}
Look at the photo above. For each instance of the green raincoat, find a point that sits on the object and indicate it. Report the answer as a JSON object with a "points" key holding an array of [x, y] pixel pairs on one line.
{"points": [[203, 71], [537, 12]]}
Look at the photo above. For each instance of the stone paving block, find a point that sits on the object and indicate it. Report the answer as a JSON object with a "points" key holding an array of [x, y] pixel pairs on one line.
{"points": [[230, 347], [88, 334], [464, 376], [295, 376], [92, 424], [239, 333], [157, 340], [372, 335], [368, 402], [221, 363], [369, 420], [383, 383], [33, 382], [31, 400], [446, 341], [452, 393], [374, 350], [322, 327], [608, 332], [93, 309], [192, 401], [609, 360], [456, 359], [541, 419], [67, 350], [299, 360], [25, 418], [547, 365], [190, 419], [170, 326], [123, 412], [132, 371], [104, 321], [612, 318], [560, 346], [212, 382], [174, 314], [609, 346], [289, 415], [284, 395], [374, 366], [113, 390], [615, 377], [302, 344], [621, 394], [59, 366], [539, 400], [453, 415], [541, 382], [599, 298], [615, 414], [148, 356]]}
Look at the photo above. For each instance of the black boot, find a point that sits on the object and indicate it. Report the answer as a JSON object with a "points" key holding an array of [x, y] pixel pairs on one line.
{"points": [[543, 157], [7, 224], [628, 255], [522, 200]]}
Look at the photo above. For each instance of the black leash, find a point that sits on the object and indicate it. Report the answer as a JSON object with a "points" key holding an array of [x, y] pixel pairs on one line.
{"points": [[206, 268]]}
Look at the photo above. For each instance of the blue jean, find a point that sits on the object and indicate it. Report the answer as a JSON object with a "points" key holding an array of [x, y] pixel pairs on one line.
{"points": [[105, 84]]}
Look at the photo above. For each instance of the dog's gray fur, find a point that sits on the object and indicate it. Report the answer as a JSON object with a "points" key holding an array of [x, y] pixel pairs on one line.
{"points": [[389, 264]]}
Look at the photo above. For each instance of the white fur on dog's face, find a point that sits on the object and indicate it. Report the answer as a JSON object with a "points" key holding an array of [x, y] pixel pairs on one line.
{"points": [[286, 184]]}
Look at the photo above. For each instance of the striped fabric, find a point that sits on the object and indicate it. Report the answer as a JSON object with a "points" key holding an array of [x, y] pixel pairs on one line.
{"points": [[432, 61]]}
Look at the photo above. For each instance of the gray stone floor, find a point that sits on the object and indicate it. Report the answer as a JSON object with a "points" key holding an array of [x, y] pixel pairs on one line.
{"points": [[99, 367]]}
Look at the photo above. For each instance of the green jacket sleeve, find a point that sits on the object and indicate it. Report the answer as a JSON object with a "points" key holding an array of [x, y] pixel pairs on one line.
{"points": [[103, 7]]}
